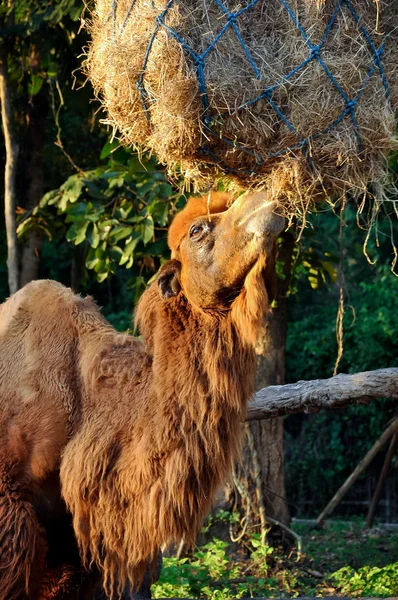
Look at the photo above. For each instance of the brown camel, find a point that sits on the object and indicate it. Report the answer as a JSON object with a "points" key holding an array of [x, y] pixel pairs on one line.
{"points": [[132, 435]]}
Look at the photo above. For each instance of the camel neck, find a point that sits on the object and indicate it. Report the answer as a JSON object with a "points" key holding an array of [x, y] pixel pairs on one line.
{"points": [[200, 362]]}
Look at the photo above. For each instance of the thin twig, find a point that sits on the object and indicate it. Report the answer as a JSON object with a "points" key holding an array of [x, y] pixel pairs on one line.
{"points": [[295, 535], [56, 113], [340, 311]]}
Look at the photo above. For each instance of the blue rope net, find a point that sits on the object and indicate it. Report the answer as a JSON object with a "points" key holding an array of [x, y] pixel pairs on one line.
{"points": [[268, 93]]}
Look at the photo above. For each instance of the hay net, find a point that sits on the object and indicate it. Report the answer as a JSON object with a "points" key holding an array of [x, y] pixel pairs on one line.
{"points": [[315, 53], [291, 95]]}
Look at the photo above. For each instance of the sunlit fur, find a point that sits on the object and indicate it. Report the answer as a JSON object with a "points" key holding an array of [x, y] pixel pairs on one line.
{"points": [[196, 207], [145, 429]]}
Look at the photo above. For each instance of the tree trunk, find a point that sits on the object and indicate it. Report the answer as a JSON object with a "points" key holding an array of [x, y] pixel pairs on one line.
{"points": [[262, 473], [33, 150], [268, 434], [77, 267], [10, 172]]}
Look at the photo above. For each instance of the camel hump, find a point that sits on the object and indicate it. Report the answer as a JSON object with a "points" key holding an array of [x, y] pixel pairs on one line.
{"points": [[33, 300], [45, 292], [40, 287], [46, 310]]}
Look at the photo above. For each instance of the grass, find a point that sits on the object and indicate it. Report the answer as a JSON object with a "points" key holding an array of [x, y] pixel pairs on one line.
{"points": [[339, 560]]}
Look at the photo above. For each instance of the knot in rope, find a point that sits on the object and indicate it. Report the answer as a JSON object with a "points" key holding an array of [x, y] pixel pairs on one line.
{"points": [[315, 52], [351, 105]]}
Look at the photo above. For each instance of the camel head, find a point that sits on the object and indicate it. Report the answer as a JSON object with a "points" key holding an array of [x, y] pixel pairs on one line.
{"points": [[215, 244]]}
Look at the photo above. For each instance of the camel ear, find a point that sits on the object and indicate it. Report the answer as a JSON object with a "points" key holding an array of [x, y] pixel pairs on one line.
{"points": [[169, 279]]}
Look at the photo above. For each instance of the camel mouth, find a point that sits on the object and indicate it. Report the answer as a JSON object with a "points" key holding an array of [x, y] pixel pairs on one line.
{"points": [[262, 218]]}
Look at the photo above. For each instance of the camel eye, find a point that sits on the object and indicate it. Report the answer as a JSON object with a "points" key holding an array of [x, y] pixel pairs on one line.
{"points": [[196, 231]]}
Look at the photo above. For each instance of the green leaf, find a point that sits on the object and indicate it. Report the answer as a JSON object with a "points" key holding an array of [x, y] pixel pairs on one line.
{"points": [[72, 188], [165, 190], [102, 276], [116, 253], [95, 191], [116, 182], [160, 212], [35, 85], [123, 210], [109, 147], [100, 253], [75, 212], [147, 229], [128, 251], [77, 232], [62, 202], [120, 232], [49, 199], [91, 259], [100, 266], [145, 188], [93, 236], [107, 224], [75, 12], [129, 263]]}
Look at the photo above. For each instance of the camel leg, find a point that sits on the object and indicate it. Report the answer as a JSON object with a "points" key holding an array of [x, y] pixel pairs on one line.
{"points": [[65, 578], [151, 575], [67, 582], [22, 540]]}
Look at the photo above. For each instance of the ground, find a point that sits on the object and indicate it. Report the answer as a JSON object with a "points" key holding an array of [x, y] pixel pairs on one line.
{"points": [[342, 559]]}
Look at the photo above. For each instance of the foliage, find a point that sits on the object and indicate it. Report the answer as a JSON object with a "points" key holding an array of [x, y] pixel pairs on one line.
{"points": [[31, 14], [212, 574], [312, 264], [43, 38], [370, 321], [44, 44], [370, 328], [121, 321], [119, 211], [368, 581]]}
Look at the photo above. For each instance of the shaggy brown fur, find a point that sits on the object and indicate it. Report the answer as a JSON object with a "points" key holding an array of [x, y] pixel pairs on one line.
{"points": [[142, 431]]}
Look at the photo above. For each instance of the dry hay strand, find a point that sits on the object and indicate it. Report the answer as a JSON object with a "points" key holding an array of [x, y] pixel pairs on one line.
{"points": [[154, 101]]}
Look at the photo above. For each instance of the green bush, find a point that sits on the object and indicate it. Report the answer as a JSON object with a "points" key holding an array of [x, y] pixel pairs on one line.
{"points": [[368, 581]]}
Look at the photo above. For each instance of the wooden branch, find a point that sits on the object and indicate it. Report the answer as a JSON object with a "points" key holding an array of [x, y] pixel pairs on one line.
{"points": [[312, 396], [347, 485], [10, 173]]}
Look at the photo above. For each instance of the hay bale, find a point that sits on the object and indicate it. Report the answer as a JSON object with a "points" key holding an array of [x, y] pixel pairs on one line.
{"points": [[142, 63]]}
